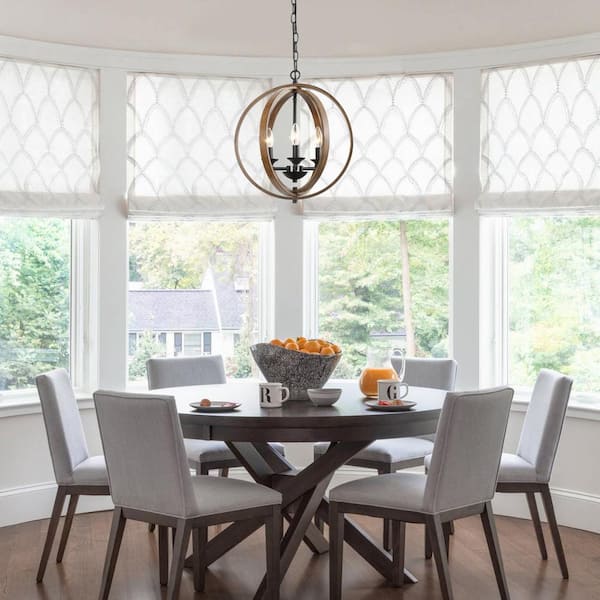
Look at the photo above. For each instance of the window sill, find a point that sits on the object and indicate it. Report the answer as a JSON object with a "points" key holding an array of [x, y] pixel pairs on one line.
{"points": [[577, 409], [29, 404]]}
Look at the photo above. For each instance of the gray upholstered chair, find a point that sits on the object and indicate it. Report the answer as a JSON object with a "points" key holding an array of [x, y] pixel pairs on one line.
{"points": [[150, 481], [528, 471], [203, 455], [461, 482], [389, 456], [77, 473]]}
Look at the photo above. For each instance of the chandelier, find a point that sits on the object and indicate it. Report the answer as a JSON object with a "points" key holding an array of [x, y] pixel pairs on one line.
{"points": [[296, 175]]}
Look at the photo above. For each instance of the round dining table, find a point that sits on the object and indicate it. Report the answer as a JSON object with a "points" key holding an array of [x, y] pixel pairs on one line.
{"points": [[349, 425]]}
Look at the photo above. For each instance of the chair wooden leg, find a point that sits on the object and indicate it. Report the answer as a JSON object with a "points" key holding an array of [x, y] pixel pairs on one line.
{"points": [[489, 527], [59, 501], [273, 533], [67, 527], [537, 524], [398, 548], [550, 514], [436, 538], [447, 533], [428, 553], [112, 552], [387, 524], [163, 554], [224, 472], [182, 540], [336, 551], [199, 541]]}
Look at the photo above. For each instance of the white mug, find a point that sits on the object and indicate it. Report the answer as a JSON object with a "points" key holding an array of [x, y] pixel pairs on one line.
{"points": [[273, 395], [391, 389]]}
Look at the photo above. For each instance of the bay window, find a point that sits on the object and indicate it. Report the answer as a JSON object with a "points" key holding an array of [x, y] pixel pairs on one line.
{"points": [[48, 194], [541, 229]]}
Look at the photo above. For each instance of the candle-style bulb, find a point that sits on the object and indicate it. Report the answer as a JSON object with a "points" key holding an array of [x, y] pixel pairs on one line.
{"points": [[295, 134], [318, 137], [269, 138]]}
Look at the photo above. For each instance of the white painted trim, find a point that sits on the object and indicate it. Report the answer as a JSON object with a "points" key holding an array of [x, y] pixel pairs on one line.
{"points": [[238, 66], [32, 502]]}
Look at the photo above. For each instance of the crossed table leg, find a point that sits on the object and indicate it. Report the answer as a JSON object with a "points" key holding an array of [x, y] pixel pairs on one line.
{"points": [[303, 496]]}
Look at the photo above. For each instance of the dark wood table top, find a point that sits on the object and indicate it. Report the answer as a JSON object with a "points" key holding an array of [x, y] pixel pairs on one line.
{"points": [[300, 421]]}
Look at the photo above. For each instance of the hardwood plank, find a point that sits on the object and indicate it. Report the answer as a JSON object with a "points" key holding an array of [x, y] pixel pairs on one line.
{"points": [[236, 575]]}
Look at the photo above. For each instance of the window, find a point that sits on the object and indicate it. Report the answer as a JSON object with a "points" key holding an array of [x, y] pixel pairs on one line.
{"points": [[35, 268], [540, 176], [185, 291], [48, 186], [383, 280]]}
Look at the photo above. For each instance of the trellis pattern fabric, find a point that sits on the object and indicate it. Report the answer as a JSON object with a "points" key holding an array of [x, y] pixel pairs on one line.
{"points": [[49, 163], [181, 147], [541, 137], [402, 160]]}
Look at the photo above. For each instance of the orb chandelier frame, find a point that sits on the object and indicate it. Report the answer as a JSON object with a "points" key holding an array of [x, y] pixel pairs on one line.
{"points": [[297, 166]]}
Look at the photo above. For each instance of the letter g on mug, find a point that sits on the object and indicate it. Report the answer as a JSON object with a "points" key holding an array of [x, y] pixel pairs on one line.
{"points": [[391, 389]]}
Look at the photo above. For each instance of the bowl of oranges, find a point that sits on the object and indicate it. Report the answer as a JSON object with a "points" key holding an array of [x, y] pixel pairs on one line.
{"points": [[298, 363]]}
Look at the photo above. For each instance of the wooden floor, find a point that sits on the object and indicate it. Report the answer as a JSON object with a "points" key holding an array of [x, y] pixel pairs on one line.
{"points": [[236, 575]]}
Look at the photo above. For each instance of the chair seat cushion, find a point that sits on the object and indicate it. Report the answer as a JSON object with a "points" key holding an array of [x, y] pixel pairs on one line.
{"points": [[215, 495], [514, 469], [199, 451], [399, 491], [92, 471], [389, 451]]}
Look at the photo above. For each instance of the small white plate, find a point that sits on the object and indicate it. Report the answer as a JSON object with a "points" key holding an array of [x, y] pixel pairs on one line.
{"points": [[215, 406], [374, 405]]}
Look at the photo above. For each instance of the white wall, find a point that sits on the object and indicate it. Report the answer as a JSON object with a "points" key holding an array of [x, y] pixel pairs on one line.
{"points": [[25, 472]]}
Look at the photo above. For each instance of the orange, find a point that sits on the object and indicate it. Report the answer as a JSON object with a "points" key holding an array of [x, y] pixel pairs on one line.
{"points": [[289, 341], [327, 351], [300, 340], [336, 348], [322, 342], [312, 346], [276, 342], [291, 346]]}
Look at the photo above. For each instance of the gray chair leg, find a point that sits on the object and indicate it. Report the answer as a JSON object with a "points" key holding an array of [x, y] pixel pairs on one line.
{"points": [[163, 554], [537, 524], [428, 553], [112, 552], [182, 539], [273, 533], [336, 551], [59, 501], [398, 552], [489, 527], [550, 514], [436, 538], [387, 524], [67, 527], [199, 541]]}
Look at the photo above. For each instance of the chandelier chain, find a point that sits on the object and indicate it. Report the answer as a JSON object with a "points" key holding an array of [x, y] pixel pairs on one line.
{"points": [[294, 74]]}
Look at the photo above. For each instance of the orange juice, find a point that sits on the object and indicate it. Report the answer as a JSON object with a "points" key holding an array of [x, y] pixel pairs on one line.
{"points": [[370, 376]]}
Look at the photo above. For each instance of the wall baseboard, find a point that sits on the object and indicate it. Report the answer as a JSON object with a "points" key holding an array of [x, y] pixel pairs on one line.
{"points": [[32, 502]]}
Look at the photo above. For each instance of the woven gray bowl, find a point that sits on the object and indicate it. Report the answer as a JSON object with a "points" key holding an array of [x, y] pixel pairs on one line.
{"points": [[297, 371]]}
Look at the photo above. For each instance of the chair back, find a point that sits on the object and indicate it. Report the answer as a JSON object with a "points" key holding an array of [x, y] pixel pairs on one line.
{"points": [[64, 430], [544, 421], [145, 456], [439, 373], [185, 370], [466, 455]]}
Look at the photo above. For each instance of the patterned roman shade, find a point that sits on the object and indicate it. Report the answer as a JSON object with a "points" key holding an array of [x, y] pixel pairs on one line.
{"points": [[48, 140], [402, 160], [181, 148], [541, 137]]}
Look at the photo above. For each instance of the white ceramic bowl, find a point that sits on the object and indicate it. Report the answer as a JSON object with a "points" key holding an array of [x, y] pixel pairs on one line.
{"points": [[324, 396]]}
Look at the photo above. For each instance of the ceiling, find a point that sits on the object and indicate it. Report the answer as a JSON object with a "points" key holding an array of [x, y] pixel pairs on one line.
{"points": [[327, 27]]}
